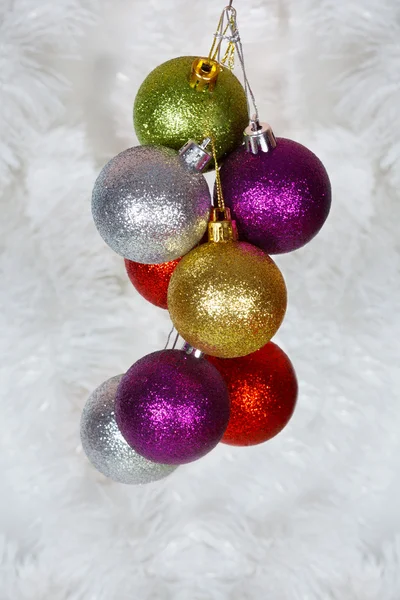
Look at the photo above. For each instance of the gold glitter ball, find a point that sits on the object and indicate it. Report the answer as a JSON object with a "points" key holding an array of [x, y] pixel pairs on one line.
{"points": [[227, 299], [169, 112]]}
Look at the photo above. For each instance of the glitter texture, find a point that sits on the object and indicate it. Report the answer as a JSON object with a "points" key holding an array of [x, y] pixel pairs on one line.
{"points": [[263, 391], [227, 299], [280, 199], [172, 407], [148, 207], [105, 446], [168, 112], [151, 281]]}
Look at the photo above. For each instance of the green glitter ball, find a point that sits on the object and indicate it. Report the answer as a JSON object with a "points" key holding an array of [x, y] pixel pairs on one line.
{"points": [[169, 112]]}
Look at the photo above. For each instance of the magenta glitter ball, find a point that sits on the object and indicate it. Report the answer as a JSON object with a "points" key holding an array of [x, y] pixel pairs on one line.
{"points": [[280, 199], [172, 407]]}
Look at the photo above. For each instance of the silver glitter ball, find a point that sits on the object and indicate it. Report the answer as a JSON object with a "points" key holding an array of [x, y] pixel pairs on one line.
{"points": [[105, 446], [148, 206]]}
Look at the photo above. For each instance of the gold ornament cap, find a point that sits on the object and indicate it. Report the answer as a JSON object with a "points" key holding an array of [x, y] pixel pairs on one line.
{"points": [[221, 228], [204, 74], [259, 137], [195, 155]]}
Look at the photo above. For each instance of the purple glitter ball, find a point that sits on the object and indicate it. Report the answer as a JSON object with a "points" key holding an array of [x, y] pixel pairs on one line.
{"points": [[280, 199], [171, 407]]}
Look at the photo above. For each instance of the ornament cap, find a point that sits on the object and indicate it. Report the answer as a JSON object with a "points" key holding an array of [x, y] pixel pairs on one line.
{"points": [[221, 228], [204, 74], [259, 137], [195, 155], [193, 351]]}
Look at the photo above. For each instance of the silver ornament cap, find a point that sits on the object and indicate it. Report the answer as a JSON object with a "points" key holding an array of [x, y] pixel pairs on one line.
{"points": [[193, 351], [195, 155], [259, 137], [105, 446]]}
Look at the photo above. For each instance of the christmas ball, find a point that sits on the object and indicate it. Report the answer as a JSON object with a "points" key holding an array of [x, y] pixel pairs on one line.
{"points": [[151, 281], [263, 391], [168, 111], [227, 299], [280, 199], [172, 407], [105, 446], [148, 206]]}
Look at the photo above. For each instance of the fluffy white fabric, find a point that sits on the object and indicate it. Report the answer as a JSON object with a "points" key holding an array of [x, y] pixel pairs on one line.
{"points": [[311, 515]]}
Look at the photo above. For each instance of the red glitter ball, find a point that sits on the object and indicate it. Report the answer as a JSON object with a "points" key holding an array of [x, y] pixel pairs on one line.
{"points": [[151, 281], [263, 392]]}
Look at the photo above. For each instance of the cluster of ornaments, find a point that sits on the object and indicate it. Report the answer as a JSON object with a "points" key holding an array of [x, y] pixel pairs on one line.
{"points": [[208, 262]]}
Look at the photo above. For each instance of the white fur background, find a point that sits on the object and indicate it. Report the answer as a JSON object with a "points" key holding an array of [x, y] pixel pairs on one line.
{"points": [[311, 515]]}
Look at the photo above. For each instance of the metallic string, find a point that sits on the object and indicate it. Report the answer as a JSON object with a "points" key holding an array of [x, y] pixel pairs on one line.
{"points": [[169, 337], [220, 197], [175, 342], [234, 43], [219, 36]]}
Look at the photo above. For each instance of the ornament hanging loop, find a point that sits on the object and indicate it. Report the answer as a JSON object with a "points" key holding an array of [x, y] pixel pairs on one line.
{"points": [[220, 197], [227, 29]]}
